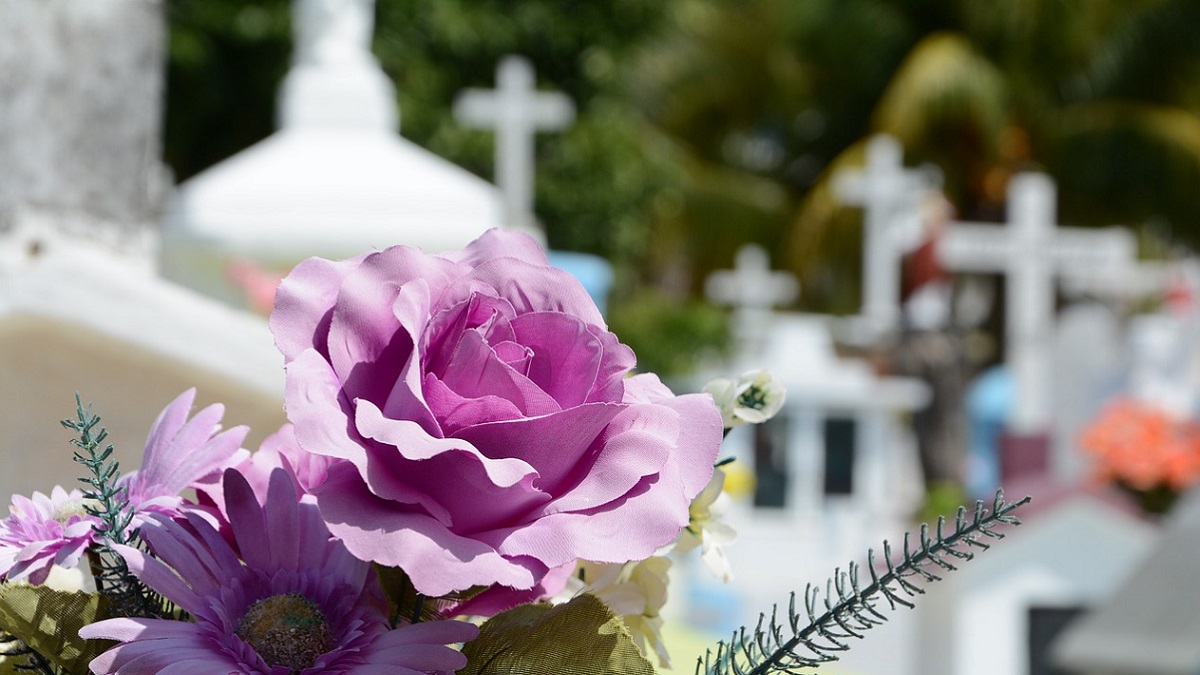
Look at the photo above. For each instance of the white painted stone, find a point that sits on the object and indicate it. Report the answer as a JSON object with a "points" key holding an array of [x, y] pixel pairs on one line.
{"points": [[1039, 564], [335, 180], [517, 111], [75, 317], [81, 309]]}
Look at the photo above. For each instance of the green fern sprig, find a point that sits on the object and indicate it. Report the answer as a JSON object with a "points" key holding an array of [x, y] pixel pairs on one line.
{"points": [[107, 501], [850, 609]]}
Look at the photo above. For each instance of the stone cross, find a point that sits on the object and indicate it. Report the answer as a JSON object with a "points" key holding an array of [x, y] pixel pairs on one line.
{"points": [[516, 110], [890, 196], [752, 289], [1031, 251]]}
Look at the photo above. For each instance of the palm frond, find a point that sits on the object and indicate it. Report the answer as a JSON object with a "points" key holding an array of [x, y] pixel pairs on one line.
{"points": [[846, 609]]}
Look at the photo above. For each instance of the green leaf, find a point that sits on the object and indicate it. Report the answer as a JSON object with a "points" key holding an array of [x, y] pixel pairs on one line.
{"points": [[49, 621], [409, 605], [581, 637]]}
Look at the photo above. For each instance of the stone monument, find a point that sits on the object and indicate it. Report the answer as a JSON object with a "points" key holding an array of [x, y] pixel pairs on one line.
{"points": [[335, 179], [81, 309]]}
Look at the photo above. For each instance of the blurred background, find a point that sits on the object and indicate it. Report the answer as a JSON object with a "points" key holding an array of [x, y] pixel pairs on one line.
{"points": [[162, 164], [703, 124]]}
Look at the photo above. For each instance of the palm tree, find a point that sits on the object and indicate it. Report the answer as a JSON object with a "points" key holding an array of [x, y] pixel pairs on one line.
{"points": [[767, 99]]}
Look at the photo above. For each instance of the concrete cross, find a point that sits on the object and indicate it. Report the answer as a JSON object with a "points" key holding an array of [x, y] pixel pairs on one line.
{"points": [[516, 110], [1031, 251], [753, 290], [891, 197]]}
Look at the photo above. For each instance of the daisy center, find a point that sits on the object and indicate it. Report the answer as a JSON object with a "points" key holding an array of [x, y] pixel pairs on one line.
{"points": [[67, 510], [286, 630]]}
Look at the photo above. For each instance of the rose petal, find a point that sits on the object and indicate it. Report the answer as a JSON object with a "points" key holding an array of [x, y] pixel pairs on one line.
{"points": [[435, 559], [315, 407], [475, 371], [499, 243], [558, 446], [303, 303]]}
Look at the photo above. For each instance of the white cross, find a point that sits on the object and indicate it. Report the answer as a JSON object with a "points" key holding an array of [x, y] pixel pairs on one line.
{"points": [[1031, 250], [753, 289], [516, 110], [891, 197]]}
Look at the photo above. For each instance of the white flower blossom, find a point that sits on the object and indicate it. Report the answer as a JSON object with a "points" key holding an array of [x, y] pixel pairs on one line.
{"points": [[707, 530], [753, 398], [635, 591]]}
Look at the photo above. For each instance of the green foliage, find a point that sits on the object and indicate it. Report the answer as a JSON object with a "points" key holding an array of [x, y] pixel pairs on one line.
{"points": [[669, 337], [44, 624], [851, 608], [106, 500], [582, 637], [226, 59]]}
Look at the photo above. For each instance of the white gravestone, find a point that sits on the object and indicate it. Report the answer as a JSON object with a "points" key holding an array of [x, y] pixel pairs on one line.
{"points": [[81, 309], [335, 180], [891, 198], [1030, 251], [516, 110], [753, 290], [80, 120]]}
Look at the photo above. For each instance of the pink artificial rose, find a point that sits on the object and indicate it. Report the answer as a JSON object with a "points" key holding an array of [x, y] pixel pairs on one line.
{"points": [[479, 412]]}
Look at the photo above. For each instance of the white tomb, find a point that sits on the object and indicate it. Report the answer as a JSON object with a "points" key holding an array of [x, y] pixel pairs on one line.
{"points": [[1074, 554], [335, 180], [77, 318], [81, 310]]}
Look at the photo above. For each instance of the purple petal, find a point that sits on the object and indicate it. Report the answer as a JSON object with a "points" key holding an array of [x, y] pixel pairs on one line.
{"points": [[500, 243], [303, 303], [281, 514], [322, 425], [533, 288], [437, 560], [637, 444], [556, 446], [474, 371], [166, 426], [455, 412], [161, 578], [248, 521]]}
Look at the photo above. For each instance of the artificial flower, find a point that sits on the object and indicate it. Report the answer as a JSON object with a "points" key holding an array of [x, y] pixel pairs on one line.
{"points": [[44, 532], [180, 454], [753, 398], [707, 529], [290, 601], [635, 591], [1143, 446], [481, 413]]}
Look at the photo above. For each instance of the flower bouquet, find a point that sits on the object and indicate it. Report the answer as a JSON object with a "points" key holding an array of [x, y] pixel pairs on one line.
{"points": [[472, 480], [1145, 450]]}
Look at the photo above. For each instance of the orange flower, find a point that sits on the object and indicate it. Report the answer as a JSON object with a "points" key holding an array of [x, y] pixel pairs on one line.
{"points": [[1144, 447]]}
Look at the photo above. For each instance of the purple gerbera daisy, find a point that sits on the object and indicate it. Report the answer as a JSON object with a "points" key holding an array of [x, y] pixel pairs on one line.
{"points": [[296, 602], [42, 532], [179, 454]]}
